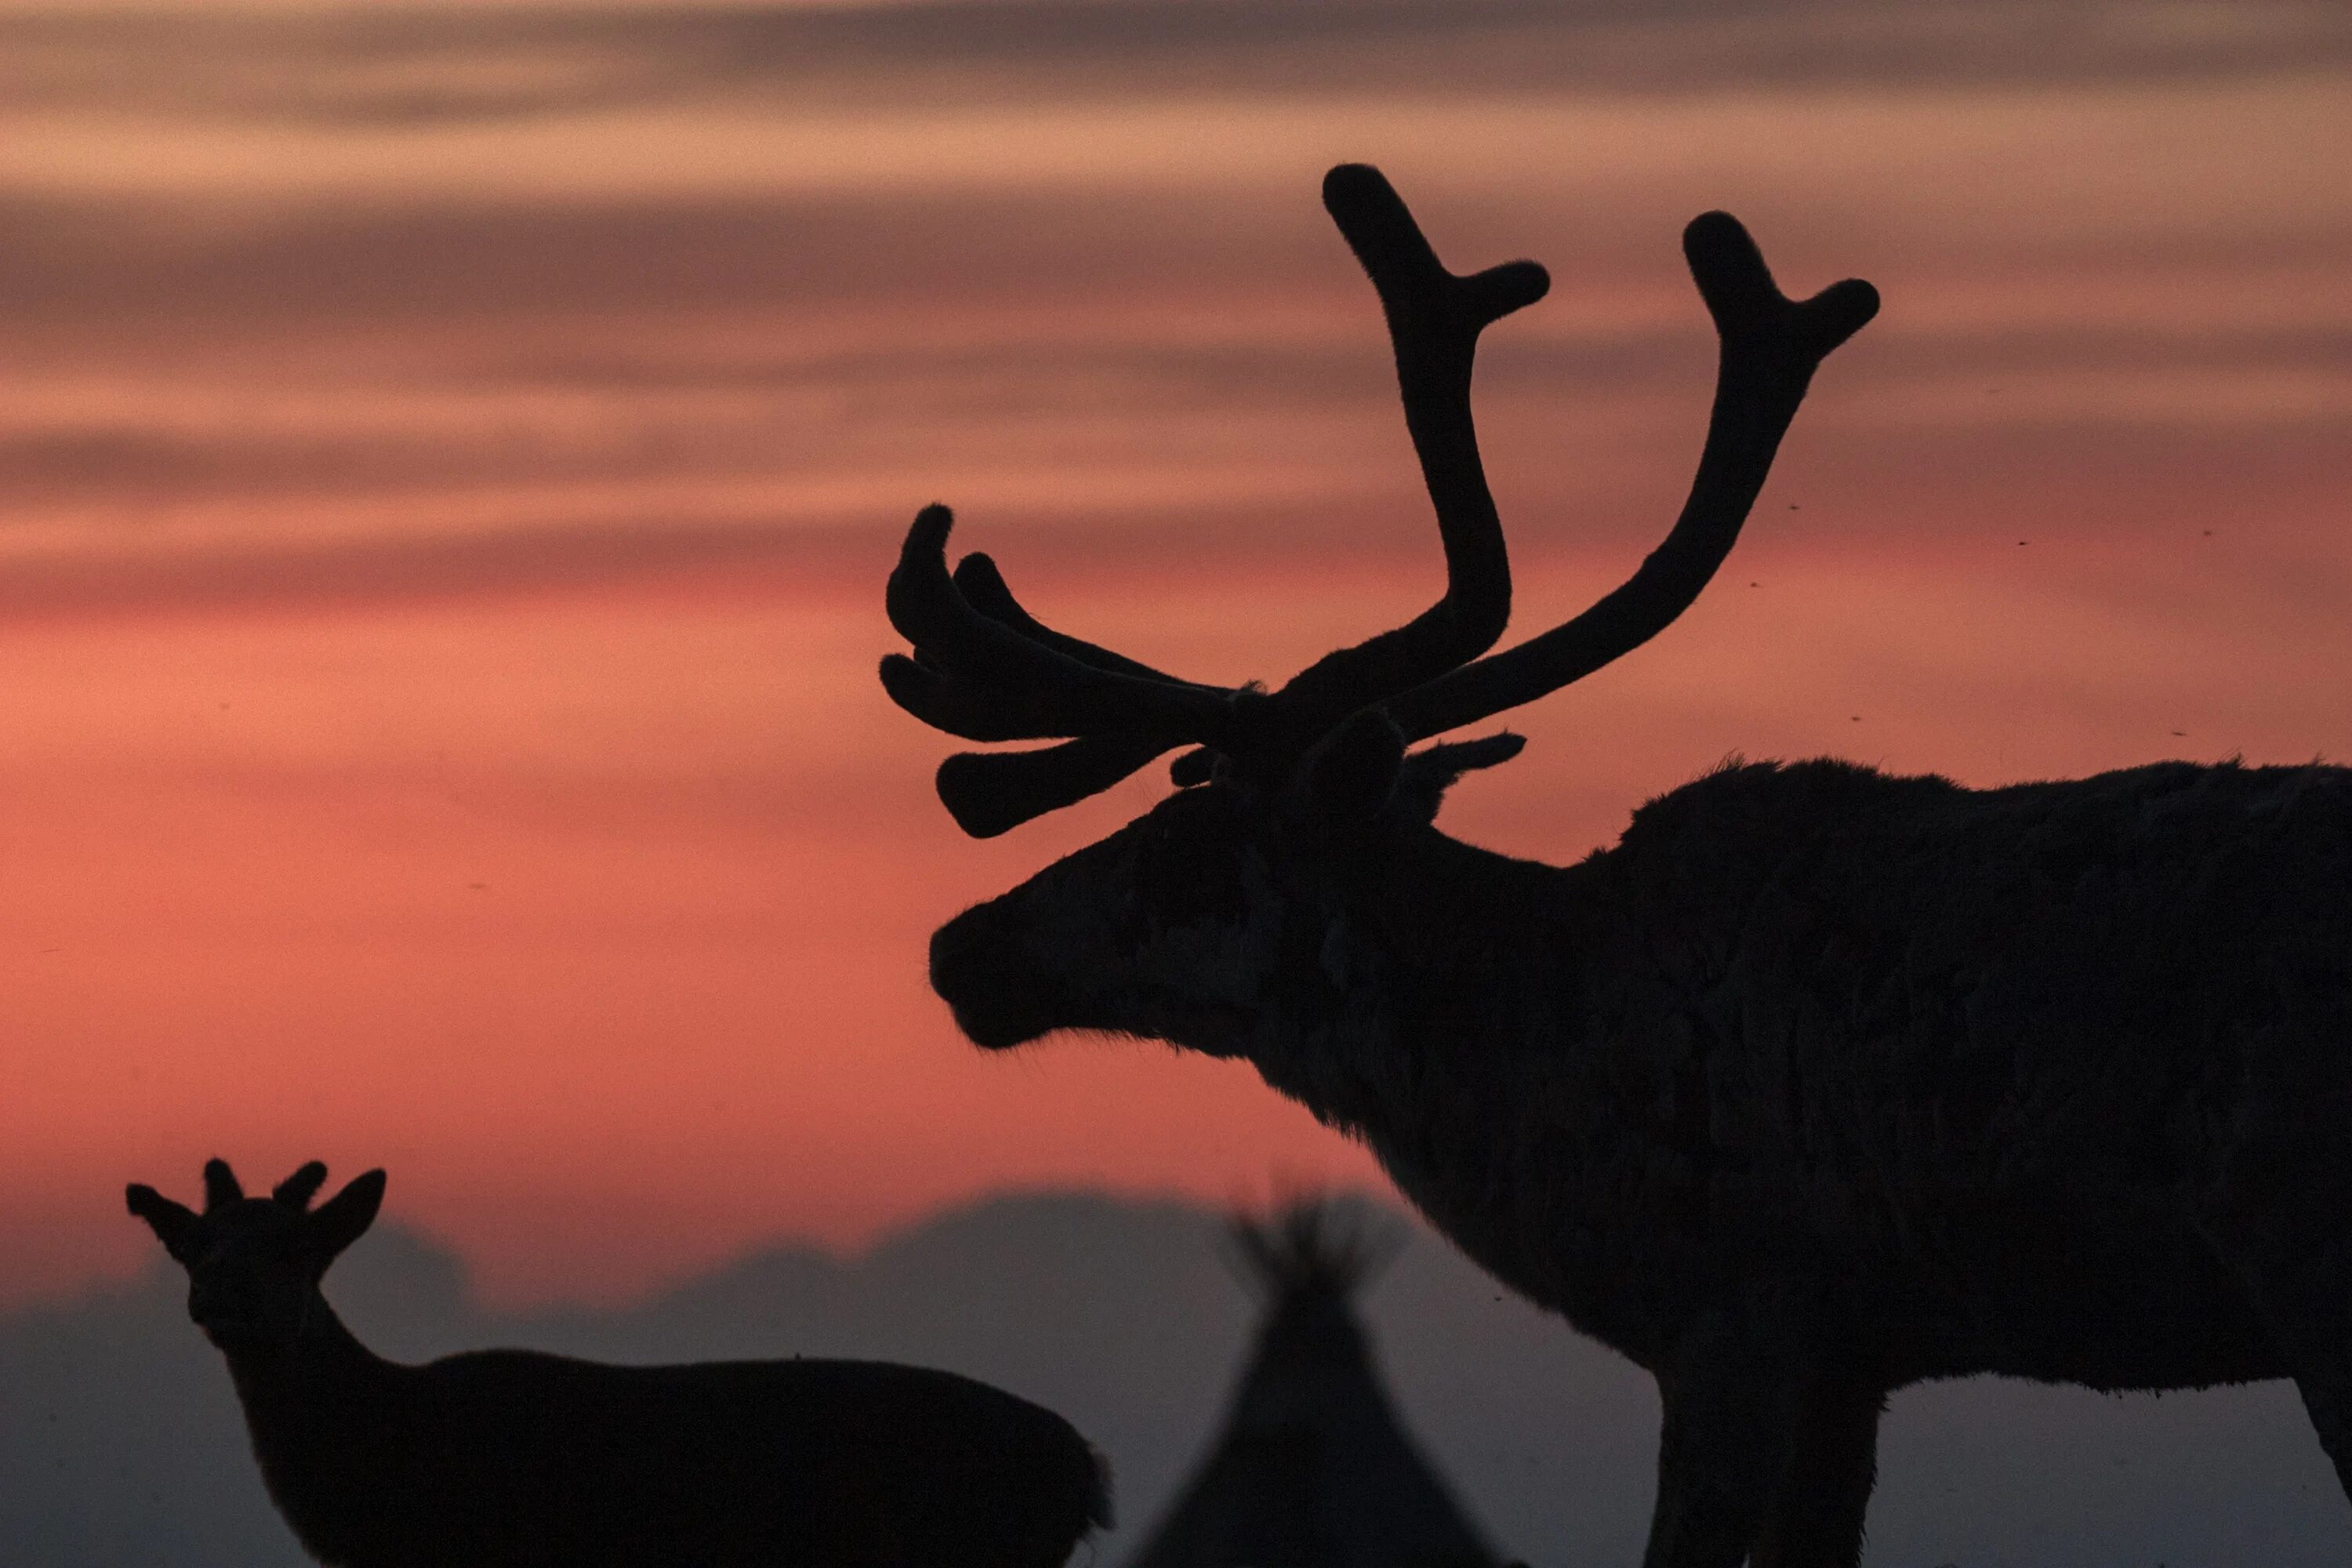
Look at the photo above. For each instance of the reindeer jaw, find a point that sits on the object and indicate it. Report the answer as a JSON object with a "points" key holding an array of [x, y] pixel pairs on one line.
{"points": [[993, 1029], [1001, 1003], [998, 1002], [1002, 1017]]}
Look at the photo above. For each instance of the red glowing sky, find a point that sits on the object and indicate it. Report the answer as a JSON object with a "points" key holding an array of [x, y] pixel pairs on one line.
{"points": [[451, 459]]}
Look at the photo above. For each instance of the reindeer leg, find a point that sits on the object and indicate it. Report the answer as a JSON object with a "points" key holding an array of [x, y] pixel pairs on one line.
{"points": [[2299, 1278], [1732, 1396], [2327, 1399], [1817, 1514]]}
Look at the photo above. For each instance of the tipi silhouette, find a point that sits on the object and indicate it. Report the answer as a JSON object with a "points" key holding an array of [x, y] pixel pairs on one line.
{"points": [[1312, 1467]]}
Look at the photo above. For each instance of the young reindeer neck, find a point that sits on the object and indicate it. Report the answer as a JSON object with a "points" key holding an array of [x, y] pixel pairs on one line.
{"points": [[254, 1270], [321, 1364]]}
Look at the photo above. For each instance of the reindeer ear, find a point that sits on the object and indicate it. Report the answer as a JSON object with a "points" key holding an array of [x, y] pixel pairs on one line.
{"points": [[1429, 772], [1352, 771], [171, 1222], [344, 1218]]}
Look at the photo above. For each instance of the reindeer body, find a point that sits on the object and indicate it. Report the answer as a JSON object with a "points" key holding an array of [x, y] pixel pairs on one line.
{"points": [[511, 1459], [501, 1458], [1820, 1082], [1974, 1074]]}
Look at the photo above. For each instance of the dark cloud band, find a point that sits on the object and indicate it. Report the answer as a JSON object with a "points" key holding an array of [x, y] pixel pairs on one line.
{"points": [[398, 66]]}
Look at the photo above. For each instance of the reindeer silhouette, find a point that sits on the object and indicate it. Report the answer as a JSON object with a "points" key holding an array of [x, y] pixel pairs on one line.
{"points": [[508, 1458], [1818, 1083]]}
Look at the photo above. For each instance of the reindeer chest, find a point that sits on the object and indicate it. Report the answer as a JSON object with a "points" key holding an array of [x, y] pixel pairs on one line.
{"points": [[1627, 1153], [1582, 1174]]}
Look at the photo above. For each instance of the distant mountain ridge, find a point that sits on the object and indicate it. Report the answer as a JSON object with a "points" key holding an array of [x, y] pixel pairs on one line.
{"points": [[121, 1446]]}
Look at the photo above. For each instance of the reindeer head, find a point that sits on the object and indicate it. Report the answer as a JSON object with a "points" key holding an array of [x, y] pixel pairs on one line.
{"points": [[1214, 909], [254, 1263]]}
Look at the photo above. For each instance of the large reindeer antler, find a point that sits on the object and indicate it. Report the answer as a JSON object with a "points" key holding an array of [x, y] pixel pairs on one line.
{"points": [[1770, 347], [984, 670]]}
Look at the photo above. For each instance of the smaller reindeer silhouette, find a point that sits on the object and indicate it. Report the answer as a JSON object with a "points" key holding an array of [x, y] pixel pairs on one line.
{"points": [[499, 1458]]}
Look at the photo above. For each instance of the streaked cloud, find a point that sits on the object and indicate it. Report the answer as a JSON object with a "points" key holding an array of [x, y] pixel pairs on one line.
{"points": [[414, 65]]}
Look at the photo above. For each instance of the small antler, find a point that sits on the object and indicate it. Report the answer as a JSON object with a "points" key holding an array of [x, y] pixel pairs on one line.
{"points": [[989, 675], [297, 1190], [221, 1188]]}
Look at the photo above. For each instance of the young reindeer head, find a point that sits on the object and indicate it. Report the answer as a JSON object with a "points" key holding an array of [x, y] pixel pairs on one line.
{"points": [[1198, 921], [254, 1263]]}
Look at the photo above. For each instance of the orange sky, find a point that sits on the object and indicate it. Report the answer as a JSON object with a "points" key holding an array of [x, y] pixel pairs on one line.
{"points": [[450, 463]]}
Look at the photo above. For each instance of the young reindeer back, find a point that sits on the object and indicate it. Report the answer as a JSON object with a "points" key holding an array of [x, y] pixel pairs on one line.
{"points": [[509, 1459]]}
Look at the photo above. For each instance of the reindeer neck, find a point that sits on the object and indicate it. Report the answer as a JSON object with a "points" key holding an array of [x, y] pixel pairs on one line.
{"points": [[1432, 951], [1450, 982], [315, 1410], [324, 1367]]}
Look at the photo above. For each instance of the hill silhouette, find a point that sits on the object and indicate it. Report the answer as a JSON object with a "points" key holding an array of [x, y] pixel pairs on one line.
{"points": [[121, 1446]]}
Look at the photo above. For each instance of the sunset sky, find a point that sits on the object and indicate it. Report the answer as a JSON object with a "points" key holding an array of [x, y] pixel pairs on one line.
{"points": [[449, 458]]}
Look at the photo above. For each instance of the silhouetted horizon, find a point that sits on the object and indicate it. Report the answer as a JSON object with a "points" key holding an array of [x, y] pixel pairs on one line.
{"points": [[121, 1443]]}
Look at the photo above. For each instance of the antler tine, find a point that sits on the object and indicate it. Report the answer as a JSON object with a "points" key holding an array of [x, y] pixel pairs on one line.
{"points": [[297, 1190], [1021, 687], [962, 707], [970, 678], [1770, 347], [989, 793], [1434, 318], [983, 588], [221, 1186]]}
